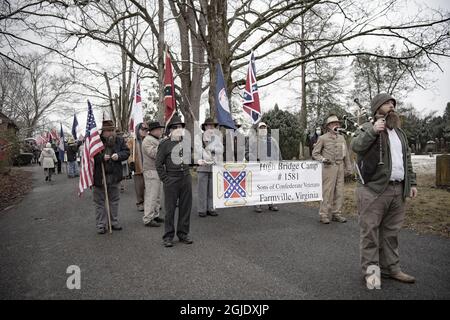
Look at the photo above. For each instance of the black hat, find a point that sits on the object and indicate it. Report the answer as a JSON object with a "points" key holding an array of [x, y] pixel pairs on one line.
{"points": [[154, 125], [379, 100], [174, 121], [209, 121], [108, 125]]}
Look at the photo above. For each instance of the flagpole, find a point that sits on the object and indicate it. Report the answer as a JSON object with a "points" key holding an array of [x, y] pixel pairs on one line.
{"points": [[166, 54], [134, 124], [106, 199]]}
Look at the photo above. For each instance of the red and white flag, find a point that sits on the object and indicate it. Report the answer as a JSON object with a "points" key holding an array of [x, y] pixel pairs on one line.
{"points": [[137, 113], [92, 146], [169, 91], [251, 104], [54, 135]]}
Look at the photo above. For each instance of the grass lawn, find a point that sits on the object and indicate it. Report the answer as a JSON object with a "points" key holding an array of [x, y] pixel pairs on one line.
{"points": [[428, 213]]}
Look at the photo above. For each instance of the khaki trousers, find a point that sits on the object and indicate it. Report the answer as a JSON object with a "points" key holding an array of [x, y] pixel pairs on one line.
{"points": [[139, 187], [380, 220], [332, 189], [152, 203]]}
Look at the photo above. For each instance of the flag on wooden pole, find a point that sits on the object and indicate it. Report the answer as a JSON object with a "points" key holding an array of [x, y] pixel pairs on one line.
{"points": [[251, 104], [222, 104], [74, 126], [92, 146], [137, 113], [169, 91], [61, 144]]}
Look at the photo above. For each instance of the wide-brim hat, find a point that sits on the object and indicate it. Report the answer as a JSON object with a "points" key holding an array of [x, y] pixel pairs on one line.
{"points": [[209, 121], [262, 124], [108, 125], [175, 121], [154, 125], [379, 100], [332, 118]]}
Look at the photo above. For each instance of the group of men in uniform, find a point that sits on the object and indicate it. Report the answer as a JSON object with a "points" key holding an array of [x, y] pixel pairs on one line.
{"points": [[383, 183]]}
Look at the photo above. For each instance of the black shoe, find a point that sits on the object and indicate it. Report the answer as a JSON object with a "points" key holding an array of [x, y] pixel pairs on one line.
{"points": [[186, 240], [159, 220], [202, 214], [168, 243], [212, 213], [273, 208], [101, 230], [258, 209], [116, 227], [152, 223]]}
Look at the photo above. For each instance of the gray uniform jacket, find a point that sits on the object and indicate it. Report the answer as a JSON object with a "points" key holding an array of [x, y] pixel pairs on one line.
{"points": [[149, 150]]}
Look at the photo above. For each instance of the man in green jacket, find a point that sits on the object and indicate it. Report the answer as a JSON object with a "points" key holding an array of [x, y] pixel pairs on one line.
{"points": [[386, 179]]}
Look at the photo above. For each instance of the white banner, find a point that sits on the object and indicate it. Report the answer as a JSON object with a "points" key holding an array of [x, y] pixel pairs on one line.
{"points": [[254, 183]]}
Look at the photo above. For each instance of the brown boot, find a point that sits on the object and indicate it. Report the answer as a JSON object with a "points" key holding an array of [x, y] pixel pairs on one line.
{"points": [[402, 277], [324, 220], [338, 218]]}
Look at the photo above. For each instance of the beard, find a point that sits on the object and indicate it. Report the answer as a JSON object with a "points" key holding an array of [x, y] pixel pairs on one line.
{"points": [[110, 141], [393, 120]]}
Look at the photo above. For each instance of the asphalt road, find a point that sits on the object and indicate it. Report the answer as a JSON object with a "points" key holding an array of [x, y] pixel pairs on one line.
{"points": [[240, 254]]}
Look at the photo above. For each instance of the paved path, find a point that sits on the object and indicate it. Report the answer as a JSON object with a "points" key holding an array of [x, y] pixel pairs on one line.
{"points": [[238, 255]]}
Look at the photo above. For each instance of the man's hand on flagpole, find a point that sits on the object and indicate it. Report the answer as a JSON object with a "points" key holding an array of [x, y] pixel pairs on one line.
{"points": [[115, 157]]}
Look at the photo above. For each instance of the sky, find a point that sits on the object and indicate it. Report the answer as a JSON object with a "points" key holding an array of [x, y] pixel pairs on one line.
{"points": [[433, 98], [287, 94]]}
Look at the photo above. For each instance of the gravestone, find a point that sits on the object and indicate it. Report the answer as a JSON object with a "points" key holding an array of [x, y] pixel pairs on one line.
{"points": [[443, 171]]}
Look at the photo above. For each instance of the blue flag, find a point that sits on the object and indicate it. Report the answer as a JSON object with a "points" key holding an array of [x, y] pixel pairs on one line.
{"points": [[222, 104], [61, 144], [74, 126]]}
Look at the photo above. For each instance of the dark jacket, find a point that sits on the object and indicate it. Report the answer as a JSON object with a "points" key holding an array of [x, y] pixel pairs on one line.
{"points": [[72, 150], [376, 177], [164, 164], [113, 169]]}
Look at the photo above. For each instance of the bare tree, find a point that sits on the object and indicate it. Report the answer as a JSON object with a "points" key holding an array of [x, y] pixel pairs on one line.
{"points": [[112, 24], [25, 24], [258, 25], [37, 94], [192, 60], [396, 77]]}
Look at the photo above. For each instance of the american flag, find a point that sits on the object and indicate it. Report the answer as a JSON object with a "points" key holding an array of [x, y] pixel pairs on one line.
{"points": [[92, 145], [251, 96]]}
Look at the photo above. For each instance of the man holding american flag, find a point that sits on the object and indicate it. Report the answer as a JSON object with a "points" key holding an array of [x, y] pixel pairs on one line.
{"points": [[102, 167]]}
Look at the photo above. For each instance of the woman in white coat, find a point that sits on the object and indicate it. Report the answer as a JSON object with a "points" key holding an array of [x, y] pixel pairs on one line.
{"points": [[48, 160]]}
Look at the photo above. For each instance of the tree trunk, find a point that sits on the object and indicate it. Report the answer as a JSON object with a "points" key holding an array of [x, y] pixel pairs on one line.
{"points": [[218, 49], [192, 70]]}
